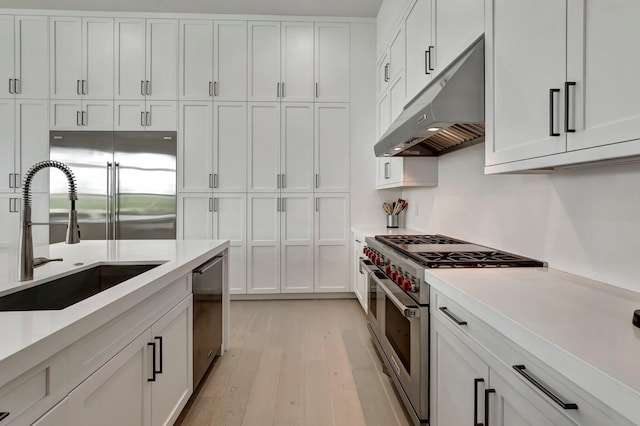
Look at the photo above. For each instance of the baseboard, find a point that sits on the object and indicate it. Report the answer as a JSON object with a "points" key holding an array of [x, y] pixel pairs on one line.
{"points": [[293, 296]]}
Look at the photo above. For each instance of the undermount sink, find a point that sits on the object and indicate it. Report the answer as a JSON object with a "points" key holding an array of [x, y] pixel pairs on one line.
{"points": [[63, 292]]}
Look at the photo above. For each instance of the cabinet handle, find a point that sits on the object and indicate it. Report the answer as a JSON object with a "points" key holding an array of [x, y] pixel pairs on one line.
{"points": [[215, 204], [567, 84], [4, 415], [142, 118], [317, 204], [85, 118], [487, 392], [452, 317], [17, 87], [215, 180], [426, 61], [283, 182], [283, 89], [78, 87], [10, 180], [278, 181], [10, 205], [11, 86], [210, 180], [159, 339], [278, 204], [475, 400], [211, 88], [142, 87], [78, 118], [16, 180], [386, 72], [148, 87], [522, 370], [153, 367], [317, 180], [210, 204], [85, 87], [386, 170], [316, 90], [215, 88], [283, 205], [278, 89], [148, 118], [552, 93], [431, 57]]}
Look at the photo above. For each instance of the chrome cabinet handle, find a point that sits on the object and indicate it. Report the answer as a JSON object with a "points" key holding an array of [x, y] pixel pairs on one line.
{"points": [[210, 204], [85, 118], [316, 90], [431, 57], [317, 180], [148, 87], [85, 87], [277, 89], [215, 180], [567, 84], [211, 88], [278, 204], [148, 118], [215, 88], [78, 118], [11, 86], [475, 400], [386, 72], [522, 370], [283, 183], [318, 204], [283, 89], [78, 87], [210, 180], [17, 86], [142, 87], [10, 205], [452, 317], [10, 180], [153, 367], [283, 204], [16, 180], [552, 114], [278, 181], [487, 392], [142, 118], [215, 204], [386, 170]]}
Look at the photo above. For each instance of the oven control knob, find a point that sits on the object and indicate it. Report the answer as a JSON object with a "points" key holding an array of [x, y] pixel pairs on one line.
{"points": [[399, 279], [387, 269], [365, 250], [394, 275], [377, 261], [406, 285]]}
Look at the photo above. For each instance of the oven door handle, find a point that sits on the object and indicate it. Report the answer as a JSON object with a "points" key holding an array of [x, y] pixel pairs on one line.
{"points": [[363, 265], [405, 310]]}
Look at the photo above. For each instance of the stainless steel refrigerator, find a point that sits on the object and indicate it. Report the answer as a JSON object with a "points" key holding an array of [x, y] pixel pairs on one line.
{"points": [[126, 184]]}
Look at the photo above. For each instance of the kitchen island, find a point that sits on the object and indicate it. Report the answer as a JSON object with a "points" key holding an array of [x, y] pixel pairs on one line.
{"points": [[48, 356]]}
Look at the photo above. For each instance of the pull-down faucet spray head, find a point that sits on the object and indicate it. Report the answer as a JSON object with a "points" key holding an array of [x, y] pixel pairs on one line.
{"points": [[26, 236]]}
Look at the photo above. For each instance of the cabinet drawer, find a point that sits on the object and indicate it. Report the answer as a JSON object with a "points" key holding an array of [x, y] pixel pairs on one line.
{"points": [[502, 355], [96, 348], [29, 396]]}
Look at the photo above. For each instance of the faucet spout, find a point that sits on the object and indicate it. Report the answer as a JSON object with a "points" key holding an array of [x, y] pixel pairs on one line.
{"points": [[26, 235]]}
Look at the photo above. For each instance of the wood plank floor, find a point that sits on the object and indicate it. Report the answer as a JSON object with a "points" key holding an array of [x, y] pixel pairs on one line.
{"points": [[295, 363]]}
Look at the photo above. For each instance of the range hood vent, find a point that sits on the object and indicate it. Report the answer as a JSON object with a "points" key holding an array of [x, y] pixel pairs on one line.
{"points": [[447, 115]]}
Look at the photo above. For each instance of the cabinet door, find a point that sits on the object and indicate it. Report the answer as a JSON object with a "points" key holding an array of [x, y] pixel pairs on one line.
{"points": [[7, 72], [263, 243], [264, 146], [230, 146], [397, 54], [32, 56], [98, 115], [297, 147], [194, 216], [162, 115], [173, 334], [59, 415], [7, 145], [456, 26], [397, 96], [196, 59], [297, 243], [66, 115], [97, 51], [454, 370], [601, 34], [195, 147], [519, 112], [32, 135], [383, 73], [332, 147], [66, 57], [162, 59], [119, 393], [297, 62], [360, 280], [230, 60], [129, 115], [332, 62], [229, 223], [383, 113], [264, 61], [417, 30], [331, 266], [10, 220], [130, 58]]}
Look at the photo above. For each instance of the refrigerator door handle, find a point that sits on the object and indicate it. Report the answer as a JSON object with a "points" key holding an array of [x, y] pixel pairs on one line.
{"points": [[109, 209], [116, 199]]}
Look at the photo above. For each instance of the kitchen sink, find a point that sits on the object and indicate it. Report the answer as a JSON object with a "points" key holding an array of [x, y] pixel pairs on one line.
{"points": [[63, 292]]}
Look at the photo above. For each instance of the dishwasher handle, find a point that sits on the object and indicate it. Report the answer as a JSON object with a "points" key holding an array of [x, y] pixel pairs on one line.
{"points": [[204, 268]]}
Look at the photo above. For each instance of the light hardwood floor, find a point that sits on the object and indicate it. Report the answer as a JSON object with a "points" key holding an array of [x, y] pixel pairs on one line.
{"points": [[296, 363]]}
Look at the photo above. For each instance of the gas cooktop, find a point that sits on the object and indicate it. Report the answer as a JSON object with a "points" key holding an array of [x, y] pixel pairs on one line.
{"points": [[439, 251]]}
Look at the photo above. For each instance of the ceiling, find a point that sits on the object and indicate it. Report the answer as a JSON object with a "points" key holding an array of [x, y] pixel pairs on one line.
{"points": [[355, 8]]}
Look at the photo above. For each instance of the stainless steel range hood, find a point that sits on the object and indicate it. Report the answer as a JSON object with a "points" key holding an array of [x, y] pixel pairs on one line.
{"points": [[448, 114]]}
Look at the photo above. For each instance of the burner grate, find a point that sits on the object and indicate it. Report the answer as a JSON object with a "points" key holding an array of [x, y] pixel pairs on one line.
{"points": [[474, 259], [418, 239]]}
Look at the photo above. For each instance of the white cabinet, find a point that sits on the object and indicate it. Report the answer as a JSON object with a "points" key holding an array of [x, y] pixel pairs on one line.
{"points": [[60, 415], [24, 141], [24, 71], [229, 146], [10, 217], [418, 38], [296, 243], [264, 146], [141, 115], [359, 277], [146, 59], [332, 148], [81, 115], [195, 147], [81, 52], [331, 266], [263, 243], [332, 62], [281, 61], [391, 64], [397, 172], [213, 60], [296, 147], [147, 383]]}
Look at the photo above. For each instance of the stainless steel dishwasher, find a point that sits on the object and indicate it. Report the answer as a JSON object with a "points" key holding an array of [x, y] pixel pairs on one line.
{"points": [[207, 284]]}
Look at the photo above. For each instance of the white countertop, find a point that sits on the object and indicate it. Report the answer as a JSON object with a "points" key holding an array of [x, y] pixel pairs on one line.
{"points": [[33, 336], [580, 327], [370, 231]]}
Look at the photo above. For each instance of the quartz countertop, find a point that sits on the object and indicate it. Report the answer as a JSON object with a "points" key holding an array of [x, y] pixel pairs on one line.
{"points": [[29, 337], [579, 327], [370, 231]]}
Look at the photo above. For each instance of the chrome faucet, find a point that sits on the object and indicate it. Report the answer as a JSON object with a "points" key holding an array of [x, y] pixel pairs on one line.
{"points": [[26, 236]]}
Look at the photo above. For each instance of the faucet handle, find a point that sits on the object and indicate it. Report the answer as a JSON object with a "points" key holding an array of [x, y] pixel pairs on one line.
{"points": [[39, 261]]}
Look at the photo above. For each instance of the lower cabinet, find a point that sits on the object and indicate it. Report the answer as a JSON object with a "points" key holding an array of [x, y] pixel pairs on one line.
{"points": [[146, 383], [331, 243], [57, 416]]}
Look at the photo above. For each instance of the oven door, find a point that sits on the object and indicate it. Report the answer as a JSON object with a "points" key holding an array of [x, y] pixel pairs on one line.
{"points": [[366, 267], [403, 334]]}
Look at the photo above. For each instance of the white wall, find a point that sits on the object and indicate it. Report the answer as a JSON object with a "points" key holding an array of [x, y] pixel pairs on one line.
{"points": [[584, 221]]}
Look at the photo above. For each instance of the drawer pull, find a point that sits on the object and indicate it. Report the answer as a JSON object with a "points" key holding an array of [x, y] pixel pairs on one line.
{"points": [[153, 357], [451, 316], [476, 382], [522, 370], [3, 416]]}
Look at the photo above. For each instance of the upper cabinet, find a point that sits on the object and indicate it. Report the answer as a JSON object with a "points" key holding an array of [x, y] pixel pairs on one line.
{"points": [[264, 61], [146, 55], [332, 62], [580, 108], [418, 35], [213, 60], [81, 58], [24, 69]]}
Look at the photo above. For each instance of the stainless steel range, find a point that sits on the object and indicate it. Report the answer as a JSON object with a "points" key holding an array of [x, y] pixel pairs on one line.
{"points": [[399, 302]]}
